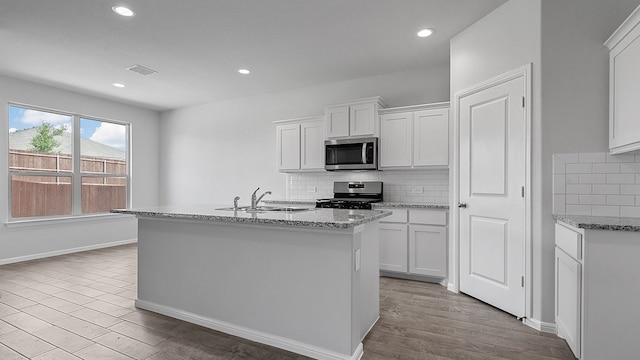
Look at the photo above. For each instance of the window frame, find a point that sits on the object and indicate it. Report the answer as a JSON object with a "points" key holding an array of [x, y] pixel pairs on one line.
{"points": [[76, 174]]}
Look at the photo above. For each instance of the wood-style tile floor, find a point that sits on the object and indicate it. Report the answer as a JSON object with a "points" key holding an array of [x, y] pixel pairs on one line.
{"points": [[80, 306]]}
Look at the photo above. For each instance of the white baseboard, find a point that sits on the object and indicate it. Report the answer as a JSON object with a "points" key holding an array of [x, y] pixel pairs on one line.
{"points": [[253, 335], [541, 326], [66, 251], [451, 287]]}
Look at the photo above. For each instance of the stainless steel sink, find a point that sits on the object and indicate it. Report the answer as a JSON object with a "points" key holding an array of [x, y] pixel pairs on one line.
{"points": [[266, 209]]}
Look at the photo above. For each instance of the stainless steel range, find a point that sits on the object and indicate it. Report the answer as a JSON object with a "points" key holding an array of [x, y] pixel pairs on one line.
{"points": [[353, 195]]}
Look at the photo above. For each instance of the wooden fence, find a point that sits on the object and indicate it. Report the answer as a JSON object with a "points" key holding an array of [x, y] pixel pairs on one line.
{"points": [[52, 195]]}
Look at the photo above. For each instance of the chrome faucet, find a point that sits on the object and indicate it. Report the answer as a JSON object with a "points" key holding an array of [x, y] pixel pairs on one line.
{"points": [[255, 201], [235, 202]]}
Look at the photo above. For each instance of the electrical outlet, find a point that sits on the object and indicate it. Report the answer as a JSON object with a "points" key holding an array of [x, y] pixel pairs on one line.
{"points": [[312, 189], [417, 189]]}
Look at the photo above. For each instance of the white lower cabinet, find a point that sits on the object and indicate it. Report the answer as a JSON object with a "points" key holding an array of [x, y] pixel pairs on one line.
{"points": [[428, 250], [393, 247], [597, 292], [414, 242], [568, 286]]}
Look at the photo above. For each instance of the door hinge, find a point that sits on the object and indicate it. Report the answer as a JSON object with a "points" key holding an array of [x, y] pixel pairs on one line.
{"points": [[522, 281], [522, 191], [523, 101]]}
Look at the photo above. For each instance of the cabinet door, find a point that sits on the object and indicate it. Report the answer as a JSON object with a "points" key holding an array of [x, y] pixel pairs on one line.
{"points": [[312, 145], [288, 147], [362, 119], [568, 299], [396, 139], [428, 250], [337, 121], [393, 247], [431, 137]]}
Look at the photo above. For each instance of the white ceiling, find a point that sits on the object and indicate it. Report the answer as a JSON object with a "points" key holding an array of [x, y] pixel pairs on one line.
{"points": [[197, 45]]}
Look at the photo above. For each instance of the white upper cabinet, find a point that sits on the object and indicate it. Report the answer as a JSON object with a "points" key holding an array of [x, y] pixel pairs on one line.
{"points": [[414, 136], [431, 137], [312, 145], [624, 86], [396, 133], [300, 144], [357, 118]]}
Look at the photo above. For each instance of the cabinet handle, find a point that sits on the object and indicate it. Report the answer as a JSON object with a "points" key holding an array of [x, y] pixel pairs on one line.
{"points": [[462, 205]]}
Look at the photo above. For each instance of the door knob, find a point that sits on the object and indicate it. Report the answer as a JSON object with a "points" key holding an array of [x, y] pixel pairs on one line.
{"points": [[462, 205]]}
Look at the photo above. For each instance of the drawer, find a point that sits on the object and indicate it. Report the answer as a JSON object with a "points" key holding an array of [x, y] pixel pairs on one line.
{"points": [[569, 241], [428, 217], [398, 216]]}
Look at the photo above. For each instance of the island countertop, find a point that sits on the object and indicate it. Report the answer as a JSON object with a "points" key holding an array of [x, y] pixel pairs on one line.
{"points": [[315, 218]]}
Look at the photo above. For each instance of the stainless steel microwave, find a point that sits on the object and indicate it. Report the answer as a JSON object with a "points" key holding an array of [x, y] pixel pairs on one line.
{"points": [[351, 154]]}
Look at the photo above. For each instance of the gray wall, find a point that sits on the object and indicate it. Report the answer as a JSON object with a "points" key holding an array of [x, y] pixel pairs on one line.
{"points": [[37, 240], [213, 152], [563, 40]]}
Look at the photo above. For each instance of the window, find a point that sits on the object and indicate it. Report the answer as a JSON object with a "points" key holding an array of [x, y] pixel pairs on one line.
{"points": [[65, 164]]}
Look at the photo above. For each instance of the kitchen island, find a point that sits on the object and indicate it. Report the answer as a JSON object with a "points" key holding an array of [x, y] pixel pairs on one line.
{"points": [[303, 281]]}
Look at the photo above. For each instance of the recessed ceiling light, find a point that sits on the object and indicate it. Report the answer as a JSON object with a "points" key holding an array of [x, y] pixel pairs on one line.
{"points": [[118, 85], [124, 11], [244, 71], [425, 32]]}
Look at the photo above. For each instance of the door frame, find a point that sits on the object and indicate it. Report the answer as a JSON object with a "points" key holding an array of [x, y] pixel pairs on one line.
{"points": [[454, 248]]}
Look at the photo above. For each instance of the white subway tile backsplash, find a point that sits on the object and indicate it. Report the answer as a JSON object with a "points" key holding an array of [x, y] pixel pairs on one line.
{"points": [[573, 178], [630, 189], [592, 157], [608, 189], [593, 199], [578, 189], [606, 168], [578, 168], [397, 184], [621, 178], [630, 168], [620, 158], [597, 184], [572, 199], [598, 210], [559, 182], [559, 203], [630, 211], [592, 178], [621, 200], [578, 210]]}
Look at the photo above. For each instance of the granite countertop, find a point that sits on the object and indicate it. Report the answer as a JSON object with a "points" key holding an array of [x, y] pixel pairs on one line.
{"points": [[411, 205], [601, 222], [313, 218]]}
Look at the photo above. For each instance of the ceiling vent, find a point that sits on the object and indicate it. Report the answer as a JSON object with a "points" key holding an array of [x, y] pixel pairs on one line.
{"points": [[141, 70]]}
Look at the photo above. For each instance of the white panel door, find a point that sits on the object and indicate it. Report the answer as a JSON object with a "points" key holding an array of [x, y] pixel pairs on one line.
{"points": [[393, 247], [428, 250], [492, 178], [312, 145], [395, 139], [431, 137], [288, 147], [362, 119]]}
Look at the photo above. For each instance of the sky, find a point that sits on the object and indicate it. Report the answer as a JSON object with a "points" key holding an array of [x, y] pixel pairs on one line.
{"points": [[110, 134]]}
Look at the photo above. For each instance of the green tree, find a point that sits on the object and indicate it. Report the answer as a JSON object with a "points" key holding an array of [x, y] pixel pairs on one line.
{"points": [[44, 140]]}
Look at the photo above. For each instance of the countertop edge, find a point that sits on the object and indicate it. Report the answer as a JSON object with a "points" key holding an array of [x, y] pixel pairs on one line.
{"points": [[410, 205], [600, 222], [337, 225]]}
